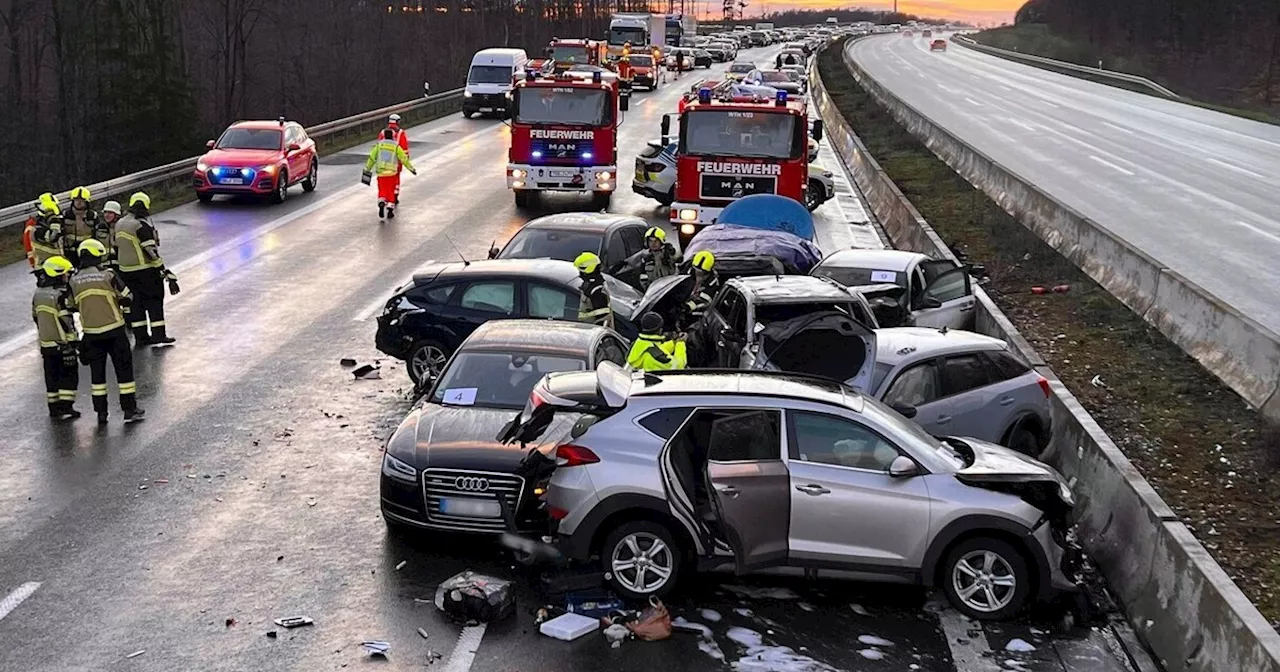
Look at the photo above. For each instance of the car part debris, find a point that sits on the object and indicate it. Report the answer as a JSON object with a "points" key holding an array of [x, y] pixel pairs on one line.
{"points": [[271, 634], [377, 648], [535, 550], [423, 633], [401, 565], [568, 627], [293, 621], [347, 361], [367, 372], [468, 596], [616, 633], [137, 653]]}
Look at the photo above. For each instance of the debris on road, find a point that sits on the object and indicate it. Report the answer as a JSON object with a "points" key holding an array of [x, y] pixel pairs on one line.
{"points": [[805, 606], [271, 634], [615, 634], [135, 654], [1096, 381], [711, 615], [763, 592], [1019, 645], [294, 621], [423, 633], [230, 622], [595, 604], [568, 627], [468, 596], [859, 610], [654, 623], [706, 640], [347, 361], [367, 372], [872, 640], [401, 565], [376, 648], [161, 481]]}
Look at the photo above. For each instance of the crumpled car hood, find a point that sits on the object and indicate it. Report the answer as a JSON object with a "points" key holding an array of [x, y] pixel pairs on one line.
{"points": [[997, 467]]}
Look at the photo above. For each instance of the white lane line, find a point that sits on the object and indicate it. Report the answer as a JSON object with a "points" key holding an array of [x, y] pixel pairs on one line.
{"points": [[1111, 165], [973, 102], [1122, 129], [22, 339], [1237, 169], [12, 600], [464, 652], [1024, 124], [1260, 232], [375, 306], [1006, 88], [970, 650], [643, 101]]}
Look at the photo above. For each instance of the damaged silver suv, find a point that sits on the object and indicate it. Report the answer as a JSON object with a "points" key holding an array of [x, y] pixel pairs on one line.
{"points": [[685, 471]]}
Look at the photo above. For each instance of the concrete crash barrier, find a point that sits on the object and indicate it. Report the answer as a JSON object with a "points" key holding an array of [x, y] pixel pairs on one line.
{"points": [[1111, 77], [1241, 352], [1178, 600]]}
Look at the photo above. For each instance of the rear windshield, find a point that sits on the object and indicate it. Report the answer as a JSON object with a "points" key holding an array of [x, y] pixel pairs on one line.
{"points": [[741, 67], [563, 106], [732, 133], [489, 74], [551, 244], [250, 138], [497, 380], [774, 76]]}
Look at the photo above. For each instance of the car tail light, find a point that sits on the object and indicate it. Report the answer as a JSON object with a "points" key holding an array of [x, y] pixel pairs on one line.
{"points": [[571, 455], [557, 513], [655, 167], [1044, 385], [536, 401]]}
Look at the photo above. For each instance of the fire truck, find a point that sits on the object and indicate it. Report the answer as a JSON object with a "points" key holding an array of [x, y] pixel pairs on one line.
{"points": [[564, 134], [569, 53], [734, 144]]}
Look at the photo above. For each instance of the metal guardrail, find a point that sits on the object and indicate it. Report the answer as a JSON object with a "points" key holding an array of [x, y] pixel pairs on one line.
{"points": [[1063, 65], [326, 136]]}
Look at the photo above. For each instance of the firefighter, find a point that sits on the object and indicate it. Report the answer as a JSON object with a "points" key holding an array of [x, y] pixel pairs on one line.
{"points": [[56, 331], [46, 240], [402, 139], [80, 222], [658, 260], [142, 270], [28, 236], [106, 231], [653, 351], [593, 306], [385, 160], [99, 294], [706, 284]]}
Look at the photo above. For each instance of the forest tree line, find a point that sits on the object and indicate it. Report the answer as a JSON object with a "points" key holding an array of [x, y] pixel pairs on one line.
{"points": [[1221, 51]]}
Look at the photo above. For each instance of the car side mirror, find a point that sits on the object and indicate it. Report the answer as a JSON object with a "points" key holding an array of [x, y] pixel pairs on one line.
{"points": [[929, 303], [903, 467], [295, 147], [817, 130], [905, 410], [210, 144], [493, 252]]}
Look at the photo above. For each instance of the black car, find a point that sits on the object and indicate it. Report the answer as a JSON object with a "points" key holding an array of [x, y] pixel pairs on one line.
{"points": [[427, 319], [444, 470], [566, 235], [702, 58]]}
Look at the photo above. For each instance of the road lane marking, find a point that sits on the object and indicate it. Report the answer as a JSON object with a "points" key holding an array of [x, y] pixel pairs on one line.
{"points": [[1261, 232], [973, 102], [643, 101], [12, 600], [1238, 169], [970, 650], [1111, 165], [22, 339], [1122, 129], [464, 652]]}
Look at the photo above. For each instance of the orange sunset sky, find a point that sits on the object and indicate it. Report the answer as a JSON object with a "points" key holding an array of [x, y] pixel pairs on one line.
{"points": [[984, 12]]}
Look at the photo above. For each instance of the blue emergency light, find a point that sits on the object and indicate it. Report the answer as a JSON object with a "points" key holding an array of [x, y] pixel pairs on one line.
{"points": [[782, 98], [531, 75], [704, 95], [586, 156]]}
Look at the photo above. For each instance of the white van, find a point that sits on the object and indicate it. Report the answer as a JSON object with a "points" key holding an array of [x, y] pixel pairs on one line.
{"points": [[490, 80]]}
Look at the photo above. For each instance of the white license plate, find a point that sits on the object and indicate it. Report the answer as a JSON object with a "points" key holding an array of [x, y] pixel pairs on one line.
{"points": [[470, 508], [232, 180], [486, 109], [563, 173]]}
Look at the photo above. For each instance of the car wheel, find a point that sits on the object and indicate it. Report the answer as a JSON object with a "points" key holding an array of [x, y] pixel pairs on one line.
{"points": [[313, 177], [641, 559], [986, 579], [811, 199], [468, 114], [1025, 441], [204, 198], [426, 360], [523, 198], [600, 200], [281, 194]]}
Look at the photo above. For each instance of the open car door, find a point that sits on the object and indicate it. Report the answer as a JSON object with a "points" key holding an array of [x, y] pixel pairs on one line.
{"points": [[825, 343], [751, 498], [947, 298]]}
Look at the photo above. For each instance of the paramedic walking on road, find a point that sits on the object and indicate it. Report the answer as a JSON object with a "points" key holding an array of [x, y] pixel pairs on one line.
{"points": [[402, 139], [385, 161], [143, 272]]}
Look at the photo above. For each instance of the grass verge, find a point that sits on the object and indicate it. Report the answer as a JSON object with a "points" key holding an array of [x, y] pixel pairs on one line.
{"points": [[1202, 448]]}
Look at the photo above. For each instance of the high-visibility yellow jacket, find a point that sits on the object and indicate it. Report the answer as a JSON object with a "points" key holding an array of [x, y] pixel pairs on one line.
{"points": [[386, 157], [52, 313], [98, 293], [651, 352], [137, 247]]}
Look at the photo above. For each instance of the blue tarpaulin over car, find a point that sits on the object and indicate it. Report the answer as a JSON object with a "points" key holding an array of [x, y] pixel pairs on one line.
{"points": [[771, 213], [798, 256]]}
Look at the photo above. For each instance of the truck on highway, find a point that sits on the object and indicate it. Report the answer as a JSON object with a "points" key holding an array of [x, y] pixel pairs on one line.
{"points": [[564, 135], [732, 145], [639, 29], [832, 22], [681, 30]]}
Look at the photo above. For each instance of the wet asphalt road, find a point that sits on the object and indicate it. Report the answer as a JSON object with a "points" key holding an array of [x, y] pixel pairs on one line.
{"points": [[250, 492]]}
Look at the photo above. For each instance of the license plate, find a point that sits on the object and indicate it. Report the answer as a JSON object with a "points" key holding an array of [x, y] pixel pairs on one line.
{"points": [[486, 109], [563, 173], [470, 508], [232, 180]]}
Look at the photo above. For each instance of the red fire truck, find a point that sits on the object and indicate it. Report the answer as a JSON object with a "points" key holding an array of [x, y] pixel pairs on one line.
{"points": [[564, 135], [733, 144], [569, 53]]}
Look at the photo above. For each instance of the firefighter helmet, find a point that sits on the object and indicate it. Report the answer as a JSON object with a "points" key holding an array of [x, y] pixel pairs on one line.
{"points": [[56, 266], [48, 204], [704, 260], [112, 207], [656, 232], [93, 248], [587, 262], [140, 198], [81, 192]]}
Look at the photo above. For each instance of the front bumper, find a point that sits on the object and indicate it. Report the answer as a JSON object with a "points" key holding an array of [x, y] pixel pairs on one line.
{"points": [[256, 182], [485, 102], [1065, 558], [391, 339], [562, 178], [646, 189], [406, 502]]}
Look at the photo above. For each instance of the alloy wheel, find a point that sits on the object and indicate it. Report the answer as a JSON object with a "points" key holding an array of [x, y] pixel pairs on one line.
{"points": [[427, 362], [642, 563], [984, 581]]}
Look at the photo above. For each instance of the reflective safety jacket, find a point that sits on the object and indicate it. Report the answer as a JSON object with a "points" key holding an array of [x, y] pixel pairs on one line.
{"points": [[79, 226], [651, 352], [593, 306], [51, 309], [658, 264], [46, 241], [702, 296], [137, 246], [97, 294], [386, 157]]}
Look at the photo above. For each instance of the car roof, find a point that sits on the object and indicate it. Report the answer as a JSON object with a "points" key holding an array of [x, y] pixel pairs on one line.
{"points": [[758, 383], [766, 289], [545, 269], [895, 345], [547, 336], [260, 124], [884, 260], [595, 222]]}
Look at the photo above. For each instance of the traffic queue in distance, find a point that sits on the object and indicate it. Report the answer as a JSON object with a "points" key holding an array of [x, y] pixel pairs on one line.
{"points": [[593, 382]]}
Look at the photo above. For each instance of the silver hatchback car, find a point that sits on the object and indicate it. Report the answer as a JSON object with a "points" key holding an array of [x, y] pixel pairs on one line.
{"points": [[700, 470]]}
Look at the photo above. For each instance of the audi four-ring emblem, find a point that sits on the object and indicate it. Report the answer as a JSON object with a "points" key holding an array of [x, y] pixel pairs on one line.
{"points": [[471, 483]]}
